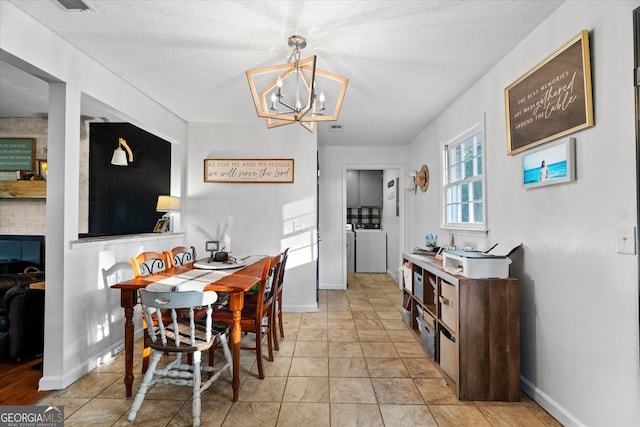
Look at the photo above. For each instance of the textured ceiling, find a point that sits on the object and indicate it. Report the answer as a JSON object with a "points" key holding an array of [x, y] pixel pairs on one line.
{"points": [[406, 60]]}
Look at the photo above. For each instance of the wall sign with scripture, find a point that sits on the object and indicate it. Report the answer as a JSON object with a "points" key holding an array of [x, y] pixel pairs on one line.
{"points": [[552, 99], [248, 170], [17, 154]]}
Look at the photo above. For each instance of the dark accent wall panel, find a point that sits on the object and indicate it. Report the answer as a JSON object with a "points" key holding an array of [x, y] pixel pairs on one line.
{"points": [[122, 199]]}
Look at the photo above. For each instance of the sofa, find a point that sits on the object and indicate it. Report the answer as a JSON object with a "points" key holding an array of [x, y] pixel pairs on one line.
{"points": [[21, 315]]}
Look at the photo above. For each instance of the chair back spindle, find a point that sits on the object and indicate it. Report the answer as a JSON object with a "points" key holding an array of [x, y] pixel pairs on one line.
{"points": [[181, 255], [149, 263]]}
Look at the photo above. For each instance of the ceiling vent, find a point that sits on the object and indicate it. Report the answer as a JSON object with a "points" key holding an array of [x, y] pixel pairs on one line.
{"points": [[76, 5]]}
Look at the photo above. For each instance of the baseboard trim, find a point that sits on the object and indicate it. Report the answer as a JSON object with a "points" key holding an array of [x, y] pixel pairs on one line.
{"points": [[332, 287], [393, 276], [551, 406], [300, 308], [59, 382]]}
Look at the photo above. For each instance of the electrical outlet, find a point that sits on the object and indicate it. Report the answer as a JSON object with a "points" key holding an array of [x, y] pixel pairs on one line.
{"points": [[298, 225], [626, 240]]}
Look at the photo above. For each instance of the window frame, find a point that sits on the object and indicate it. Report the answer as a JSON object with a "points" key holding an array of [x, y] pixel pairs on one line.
{"points": [[476, 129]]}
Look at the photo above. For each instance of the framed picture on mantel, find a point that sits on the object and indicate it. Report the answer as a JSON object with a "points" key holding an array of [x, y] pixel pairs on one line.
{"points": [[551, 100]]}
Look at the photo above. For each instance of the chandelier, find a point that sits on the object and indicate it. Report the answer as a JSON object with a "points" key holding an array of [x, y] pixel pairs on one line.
{"points": [[296, 91]]}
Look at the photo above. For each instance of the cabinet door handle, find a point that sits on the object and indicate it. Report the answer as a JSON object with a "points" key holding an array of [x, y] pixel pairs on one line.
{"points": [[445, 301]]}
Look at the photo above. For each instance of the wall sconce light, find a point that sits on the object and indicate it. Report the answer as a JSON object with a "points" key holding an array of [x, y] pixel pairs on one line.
{"points": [[119, 156], [166, 204]]}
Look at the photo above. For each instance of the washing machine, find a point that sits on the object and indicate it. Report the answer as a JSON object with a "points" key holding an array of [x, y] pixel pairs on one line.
{"points": [[371, 251]]}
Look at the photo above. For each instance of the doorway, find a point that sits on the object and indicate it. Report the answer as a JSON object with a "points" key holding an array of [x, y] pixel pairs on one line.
{"points": [[389, 216]]}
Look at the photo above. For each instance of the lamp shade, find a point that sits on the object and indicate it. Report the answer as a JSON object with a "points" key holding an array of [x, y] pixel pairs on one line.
{"points": [[119, 157], [168, 204]]}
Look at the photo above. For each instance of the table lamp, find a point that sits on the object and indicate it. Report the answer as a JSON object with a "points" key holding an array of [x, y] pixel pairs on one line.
{"points": [[166, 204]]}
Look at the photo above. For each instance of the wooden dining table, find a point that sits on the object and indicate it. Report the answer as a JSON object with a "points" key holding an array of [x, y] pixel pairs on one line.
{"points": [[236, 283]]}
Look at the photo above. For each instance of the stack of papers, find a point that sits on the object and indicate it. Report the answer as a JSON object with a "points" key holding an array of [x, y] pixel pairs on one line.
{"points": [[505, 248]]}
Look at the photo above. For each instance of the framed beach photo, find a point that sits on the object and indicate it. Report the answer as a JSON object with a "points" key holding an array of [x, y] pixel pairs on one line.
{"points": [[551, 164]]}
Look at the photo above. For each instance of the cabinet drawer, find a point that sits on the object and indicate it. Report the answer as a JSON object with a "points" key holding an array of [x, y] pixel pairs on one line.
{"points": [[426, 325], [418, 288], [448, 305], [448, 355]]}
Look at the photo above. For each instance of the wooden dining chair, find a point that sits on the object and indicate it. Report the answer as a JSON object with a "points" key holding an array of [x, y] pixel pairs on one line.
{"points": [[277, 301], [257, 318], [149, 263], [145, 264], [181, 255], [172, 335]]}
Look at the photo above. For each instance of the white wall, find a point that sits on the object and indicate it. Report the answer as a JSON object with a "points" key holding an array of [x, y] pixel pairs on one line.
{"points": [[579, 298], [263, 214], [334, 161]]}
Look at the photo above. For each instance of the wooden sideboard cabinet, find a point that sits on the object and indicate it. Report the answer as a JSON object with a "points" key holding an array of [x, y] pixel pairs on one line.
{"points": [[469, 327]]}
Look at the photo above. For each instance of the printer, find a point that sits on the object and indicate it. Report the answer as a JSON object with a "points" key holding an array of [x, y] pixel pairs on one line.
{"points": [[493, 263]]}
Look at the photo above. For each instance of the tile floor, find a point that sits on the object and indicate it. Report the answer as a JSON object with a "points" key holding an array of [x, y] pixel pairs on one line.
{"points": [[353, 363]]}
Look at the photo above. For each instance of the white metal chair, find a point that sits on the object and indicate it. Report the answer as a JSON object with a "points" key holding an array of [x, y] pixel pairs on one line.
{"points": [[176, 336]]}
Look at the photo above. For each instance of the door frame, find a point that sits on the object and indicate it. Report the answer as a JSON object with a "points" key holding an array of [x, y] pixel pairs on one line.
{"points": [[402, 238], [636, 67]]}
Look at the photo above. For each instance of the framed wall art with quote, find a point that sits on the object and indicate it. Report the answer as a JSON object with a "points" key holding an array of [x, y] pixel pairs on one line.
{"points": [[249, 170], [551, 100]]}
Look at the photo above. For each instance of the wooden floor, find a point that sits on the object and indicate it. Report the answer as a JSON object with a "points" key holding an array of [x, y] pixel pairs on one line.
{"points": [[19, 382]]}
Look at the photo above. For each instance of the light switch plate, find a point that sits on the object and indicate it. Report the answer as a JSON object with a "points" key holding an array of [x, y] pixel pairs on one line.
{"points": [[626, 240]]}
